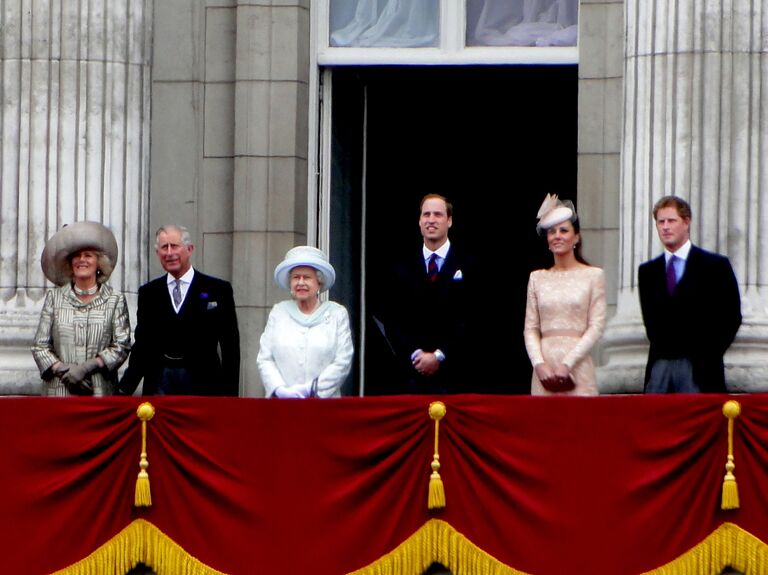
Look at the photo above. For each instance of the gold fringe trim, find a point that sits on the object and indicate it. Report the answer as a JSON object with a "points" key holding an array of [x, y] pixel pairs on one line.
{"points": [[143, 496], [437, 542], [140, 542], [730, 496], [436, 499], [728, 546]]}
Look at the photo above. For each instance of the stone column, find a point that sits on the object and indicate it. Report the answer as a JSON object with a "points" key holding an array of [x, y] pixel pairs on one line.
{"points": [[271, 142], [74, 118], [696, 126]]}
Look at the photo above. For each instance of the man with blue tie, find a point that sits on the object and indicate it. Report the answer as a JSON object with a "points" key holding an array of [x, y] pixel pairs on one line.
{"points": [[186, 341], [691, 308], [430, 307]]}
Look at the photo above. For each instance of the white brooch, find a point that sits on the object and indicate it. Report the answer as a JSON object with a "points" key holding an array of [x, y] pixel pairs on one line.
{"points": [[458, 276]]}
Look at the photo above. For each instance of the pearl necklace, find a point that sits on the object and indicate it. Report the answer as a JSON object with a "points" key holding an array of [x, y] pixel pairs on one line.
{"points": [[87, 291]]}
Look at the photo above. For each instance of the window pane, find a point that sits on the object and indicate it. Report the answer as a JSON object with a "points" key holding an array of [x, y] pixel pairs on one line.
{"points": [[522, 22], [385, 23]]}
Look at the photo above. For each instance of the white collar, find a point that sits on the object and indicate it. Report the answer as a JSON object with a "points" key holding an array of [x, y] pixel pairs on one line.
{"points": [[442, 251], [682, 252], [185, 279]]}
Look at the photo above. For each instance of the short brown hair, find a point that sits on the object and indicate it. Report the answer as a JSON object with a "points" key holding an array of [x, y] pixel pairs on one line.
{"points": [[448, 205], [683, 208]]}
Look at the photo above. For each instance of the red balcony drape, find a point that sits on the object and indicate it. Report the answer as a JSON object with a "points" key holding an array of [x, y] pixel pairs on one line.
{"points": [[615, 485]]}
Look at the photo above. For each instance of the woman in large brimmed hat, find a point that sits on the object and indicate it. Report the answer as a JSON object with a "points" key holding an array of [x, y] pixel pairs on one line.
{"points": [[565, 314], [306, 348], [84, 334]]}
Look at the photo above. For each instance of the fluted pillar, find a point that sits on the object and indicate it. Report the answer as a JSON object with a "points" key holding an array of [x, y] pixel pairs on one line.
{"points": [[74, 118], [695, 125]]}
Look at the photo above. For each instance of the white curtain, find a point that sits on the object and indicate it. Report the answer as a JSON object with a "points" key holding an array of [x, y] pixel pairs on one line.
{"points": [[522, 22], [385, 23]]}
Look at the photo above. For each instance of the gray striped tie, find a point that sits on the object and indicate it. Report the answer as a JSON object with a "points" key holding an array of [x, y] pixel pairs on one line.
{"points": [[177, 294]]}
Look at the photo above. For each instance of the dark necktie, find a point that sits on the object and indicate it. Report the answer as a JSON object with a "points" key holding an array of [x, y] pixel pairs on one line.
{"points": [[671, 275], [432, 268], [177, 294]]}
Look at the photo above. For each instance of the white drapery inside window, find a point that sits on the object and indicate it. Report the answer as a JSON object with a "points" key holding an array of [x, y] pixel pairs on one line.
{"points": [[385, 23], [522, 22]]}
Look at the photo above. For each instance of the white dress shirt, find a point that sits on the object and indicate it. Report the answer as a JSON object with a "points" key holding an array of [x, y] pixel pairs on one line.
{"points": [[681, 260], [186, 280], [442, 253]]}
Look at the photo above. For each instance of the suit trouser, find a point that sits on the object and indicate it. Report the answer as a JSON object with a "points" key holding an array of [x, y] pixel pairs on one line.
{"points": [[175, 379], [671, 376]]}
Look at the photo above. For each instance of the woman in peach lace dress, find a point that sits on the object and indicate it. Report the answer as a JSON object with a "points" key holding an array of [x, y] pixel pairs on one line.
{"points": [[565, 312]]}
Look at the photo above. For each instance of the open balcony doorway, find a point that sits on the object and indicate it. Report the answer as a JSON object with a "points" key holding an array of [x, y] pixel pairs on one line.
{"points": [[494, 140]]}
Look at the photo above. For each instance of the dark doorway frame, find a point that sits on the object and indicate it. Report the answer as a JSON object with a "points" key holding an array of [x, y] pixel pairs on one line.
{"points": [[494, 140]]}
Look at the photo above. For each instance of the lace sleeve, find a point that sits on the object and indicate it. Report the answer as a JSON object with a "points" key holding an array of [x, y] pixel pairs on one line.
{"points": [[595, 322], [532, 331]]}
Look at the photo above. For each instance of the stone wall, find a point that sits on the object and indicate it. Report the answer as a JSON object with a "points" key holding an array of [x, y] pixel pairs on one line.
{"points": [[229, 144]]}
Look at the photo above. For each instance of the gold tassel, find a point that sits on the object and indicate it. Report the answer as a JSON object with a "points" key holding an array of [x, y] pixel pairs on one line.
{"points": [[143, 498], [436, 491], [730, 499]]}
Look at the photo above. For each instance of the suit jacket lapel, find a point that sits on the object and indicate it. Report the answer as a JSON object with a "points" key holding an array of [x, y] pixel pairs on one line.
{"points": [[659, 270], [691, 269], [193, 294], [449, 265], [446, 271], [163, 294]]}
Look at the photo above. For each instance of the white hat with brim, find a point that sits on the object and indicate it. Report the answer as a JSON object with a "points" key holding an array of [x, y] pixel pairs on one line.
{"points": [[305, 256], [71, 239]]}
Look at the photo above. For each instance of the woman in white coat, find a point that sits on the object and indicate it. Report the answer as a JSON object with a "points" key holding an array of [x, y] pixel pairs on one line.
{"points": [[306, 349]]}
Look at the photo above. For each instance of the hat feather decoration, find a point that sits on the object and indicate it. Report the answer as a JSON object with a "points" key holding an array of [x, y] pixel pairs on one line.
{"points": [[549, 204]]}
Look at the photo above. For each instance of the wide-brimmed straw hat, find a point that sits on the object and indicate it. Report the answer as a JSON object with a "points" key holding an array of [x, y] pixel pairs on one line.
{"points": [[305, 256], [553, 212], [71, 239]]}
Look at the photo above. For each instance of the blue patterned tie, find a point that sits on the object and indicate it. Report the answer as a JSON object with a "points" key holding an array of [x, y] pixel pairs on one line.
{"points": [[671, 275], [432, 268]]}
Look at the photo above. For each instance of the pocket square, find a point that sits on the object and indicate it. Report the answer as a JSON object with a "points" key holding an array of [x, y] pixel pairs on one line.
{"points": [[212, 305], [458, 276]]}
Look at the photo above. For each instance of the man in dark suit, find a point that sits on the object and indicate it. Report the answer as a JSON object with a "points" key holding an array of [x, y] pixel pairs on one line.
{"points": [[430, 300], [691, 307], [186, 340]]}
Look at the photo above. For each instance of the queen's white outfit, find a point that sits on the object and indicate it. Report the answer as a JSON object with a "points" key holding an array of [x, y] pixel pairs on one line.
{"points": [[296, 348]]}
